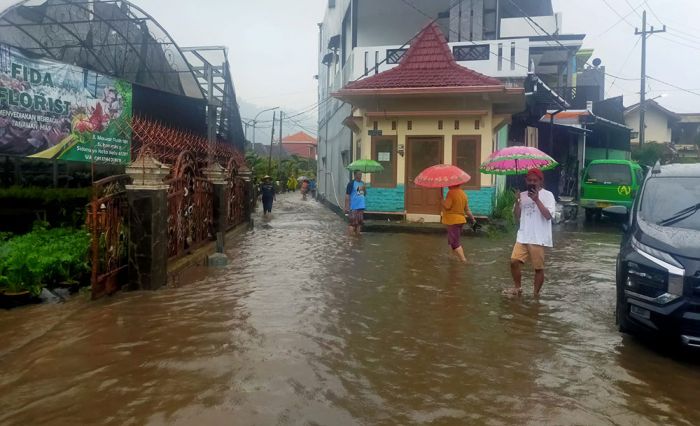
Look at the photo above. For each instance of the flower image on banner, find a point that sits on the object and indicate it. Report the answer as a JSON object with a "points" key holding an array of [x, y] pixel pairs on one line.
{"points": [[52, 110]]}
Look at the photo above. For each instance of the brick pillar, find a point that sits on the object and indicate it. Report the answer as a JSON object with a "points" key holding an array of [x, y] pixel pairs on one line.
{"points": [[148, 224], [217, 175], [251, 194]]}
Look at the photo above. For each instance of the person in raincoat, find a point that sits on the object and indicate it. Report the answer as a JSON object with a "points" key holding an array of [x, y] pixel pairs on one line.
{"points": [[267, 194], [292, 183]]}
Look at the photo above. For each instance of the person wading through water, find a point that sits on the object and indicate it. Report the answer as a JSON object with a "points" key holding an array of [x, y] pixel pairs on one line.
{"points": [[267, 194], [355, 203], [535, 209], [455, 207]]}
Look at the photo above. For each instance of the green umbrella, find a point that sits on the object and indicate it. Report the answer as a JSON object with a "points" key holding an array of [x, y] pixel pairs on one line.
{"points": [[365, 166]]}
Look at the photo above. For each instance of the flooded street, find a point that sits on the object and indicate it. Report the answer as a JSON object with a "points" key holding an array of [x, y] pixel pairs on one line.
{"points": [[308, 326]]}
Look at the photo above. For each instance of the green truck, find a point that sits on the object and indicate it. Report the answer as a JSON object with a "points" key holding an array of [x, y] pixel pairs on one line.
{"points": [[609, 183]]}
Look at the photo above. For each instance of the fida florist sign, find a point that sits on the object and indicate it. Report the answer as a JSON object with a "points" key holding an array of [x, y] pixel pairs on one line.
{"points": [[52, 110]]}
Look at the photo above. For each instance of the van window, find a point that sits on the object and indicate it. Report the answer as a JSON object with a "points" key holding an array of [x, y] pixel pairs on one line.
{"points": [[640, 176], [613, 174]]}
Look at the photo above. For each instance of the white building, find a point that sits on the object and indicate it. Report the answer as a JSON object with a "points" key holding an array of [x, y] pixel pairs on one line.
{"points": [[499, 38], [658, 122]]}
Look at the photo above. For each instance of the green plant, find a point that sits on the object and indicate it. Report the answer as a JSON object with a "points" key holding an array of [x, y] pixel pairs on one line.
{"points": [[505, 200], [43, 257], [649, 153]]}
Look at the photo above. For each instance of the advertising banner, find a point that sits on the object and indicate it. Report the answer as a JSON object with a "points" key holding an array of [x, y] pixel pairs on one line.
{"points": [[52, 110]]}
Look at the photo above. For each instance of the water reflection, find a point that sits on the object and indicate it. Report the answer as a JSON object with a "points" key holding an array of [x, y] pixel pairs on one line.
{"points": [[308, 326]]}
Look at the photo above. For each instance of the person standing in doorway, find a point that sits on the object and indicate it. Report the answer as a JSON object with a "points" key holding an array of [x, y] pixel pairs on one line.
{"points": [[267, 194], [535, 210], [455, 210], [355, 203]]}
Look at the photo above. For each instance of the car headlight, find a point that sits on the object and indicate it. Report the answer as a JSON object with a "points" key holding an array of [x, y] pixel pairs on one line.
{"points": [[658, 254], [675, 270]]}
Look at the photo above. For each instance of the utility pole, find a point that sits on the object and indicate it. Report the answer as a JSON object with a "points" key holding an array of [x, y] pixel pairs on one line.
{"points": [[279, 151], [643, 92], [272, 141]]}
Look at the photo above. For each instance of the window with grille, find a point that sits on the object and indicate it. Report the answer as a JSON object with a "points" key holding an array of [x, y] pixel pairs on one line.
{"points": [[393, 56], [479, 52]]}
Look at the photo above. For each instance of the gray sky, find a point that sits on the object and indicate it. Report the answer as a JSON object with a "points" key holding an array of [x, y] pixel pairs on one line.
{"points": [[273, 46]]}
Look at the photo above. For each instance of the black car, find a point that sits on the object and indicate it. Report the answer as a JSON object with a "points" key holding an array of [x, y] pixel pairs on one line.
{"points": [[658, 268]]}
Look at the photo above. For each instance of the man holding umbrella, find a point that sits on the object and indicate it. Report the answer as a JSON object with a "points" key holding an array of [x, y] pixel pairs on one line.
{"points": [[355, 203], [535, 209], [355, 192]]}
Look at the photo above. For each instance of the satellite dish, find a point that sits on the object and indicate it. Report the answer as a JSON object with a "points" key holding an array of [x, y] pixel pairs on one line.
{"points": [[597, 62]]}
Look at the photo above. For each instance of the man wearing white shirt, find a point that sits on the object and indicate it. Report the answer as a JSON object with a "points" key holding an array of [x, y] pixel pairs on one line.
{"points": [[535, 209]]}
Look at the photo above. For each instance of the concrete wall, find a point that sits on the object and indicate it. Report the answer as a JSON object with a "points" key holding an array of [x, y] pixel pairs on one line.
{"points": [[522, 27], [333, 137], [382, 22], [657, 126]]}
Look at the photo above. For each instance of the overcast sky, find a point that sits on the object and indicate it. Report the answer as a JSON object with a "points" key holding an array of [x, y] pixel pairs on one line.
{"points": [[273, 46]]}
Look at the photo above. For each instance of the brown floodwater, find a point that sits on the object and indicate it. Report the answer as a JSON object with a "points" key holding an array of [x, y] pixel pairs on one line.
{"points": [[308, 326]]}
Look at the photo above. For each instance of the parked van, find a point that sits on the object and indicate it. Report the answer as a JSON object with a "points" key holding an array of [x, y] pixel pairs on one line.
{"points": [[608, 183], [658, 268]]}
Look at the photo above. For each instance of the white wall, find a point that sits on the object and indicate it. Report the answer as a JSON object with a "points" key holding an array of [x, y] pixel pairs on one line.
{"points": [[523, 27], [333, 136], [383, 22], [657, 128]]}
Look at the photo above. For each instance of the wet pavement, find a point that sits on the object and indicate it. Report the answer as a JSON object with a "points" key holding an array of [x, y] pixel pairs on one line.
{"points": [[308, 326]]}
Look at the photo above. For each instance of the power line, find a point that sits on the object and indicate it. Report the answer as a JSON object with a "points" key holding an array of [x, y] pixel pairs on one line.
{"points": [[529, 18], [674, 86], [623, 18], [629, 55], [619, 21]]}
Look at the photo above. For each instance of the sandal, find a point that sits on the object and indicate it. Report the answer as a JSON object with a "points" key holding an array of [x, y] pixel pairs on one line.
{"points": [[513, 291]]}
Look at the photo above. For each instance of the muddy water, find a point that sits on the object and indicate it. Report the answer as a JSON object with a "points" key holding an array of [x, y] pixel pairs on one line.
{"points": [[307, 326]]}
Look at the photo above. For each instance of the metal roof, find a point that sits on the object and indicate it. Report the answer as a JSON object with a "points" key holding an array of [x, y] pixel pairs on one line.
{"points": [[113, 37], [119, 39]]}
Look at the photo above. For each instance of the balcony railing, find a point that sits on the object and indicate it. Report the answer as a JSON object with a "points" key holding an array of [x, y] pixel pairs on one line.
{"points": [[495, 58]]}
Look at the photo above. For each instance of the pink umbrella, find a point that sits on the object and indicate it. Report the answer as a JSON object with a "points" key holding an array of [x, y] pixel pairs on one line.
{"points": [[442, 176], [517, 160]]}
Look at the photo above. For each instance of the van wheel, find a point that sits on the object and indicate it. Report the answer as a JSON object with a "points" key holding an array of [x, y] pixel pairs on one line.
{"points": [[590, 213]]}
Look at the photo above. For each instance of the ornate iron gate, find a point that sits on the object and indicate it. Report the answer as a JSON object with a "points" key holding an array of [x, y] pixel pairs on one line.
{"points": [[190, 207], [236, 196], [107, 219]]}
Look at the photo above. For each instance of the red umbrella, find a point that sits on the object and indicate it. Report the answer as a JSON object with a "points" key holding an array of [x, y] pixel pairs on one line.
{"points": [[441, 176]]}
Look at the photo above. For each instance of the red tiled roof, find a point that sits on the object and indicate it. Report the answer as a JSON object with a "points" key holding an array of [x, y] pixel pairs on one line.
{"points": [[299, 137], [427, 63]]}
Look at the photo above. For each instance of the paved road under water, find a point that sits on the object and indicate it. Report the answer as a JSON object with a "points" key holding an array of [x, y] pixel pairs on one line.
{"points": [[307, 326]]}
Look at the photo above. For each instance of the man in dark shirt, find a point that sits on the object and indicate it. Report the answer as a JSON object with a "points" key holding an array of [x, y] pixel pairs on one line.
{"points": [[267, 193]]}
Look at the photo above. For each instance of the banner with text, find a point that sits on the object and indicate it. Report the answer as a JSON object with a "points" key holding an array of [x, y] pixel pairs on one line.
{"points": [[52, 110]]}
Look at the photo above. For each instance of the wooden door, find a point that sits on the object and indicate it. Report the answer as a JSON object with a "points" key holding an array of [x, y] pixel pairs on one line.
{"points": [[421, 153]]}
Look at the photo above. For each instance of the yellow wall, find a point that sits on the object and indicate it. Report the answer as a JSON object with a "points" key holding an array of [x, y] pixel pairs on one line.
{"points": [[428, 127]]}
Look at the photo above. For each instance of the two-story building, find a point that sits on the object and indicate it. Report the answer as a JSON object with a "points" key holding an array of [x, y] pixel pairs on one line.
{"points": [[496, 38]]}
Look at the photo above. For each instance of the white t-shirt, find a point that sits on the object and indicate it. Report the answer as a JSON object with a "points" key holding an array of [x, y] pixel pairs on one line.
{"points": [[534, 228]]}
